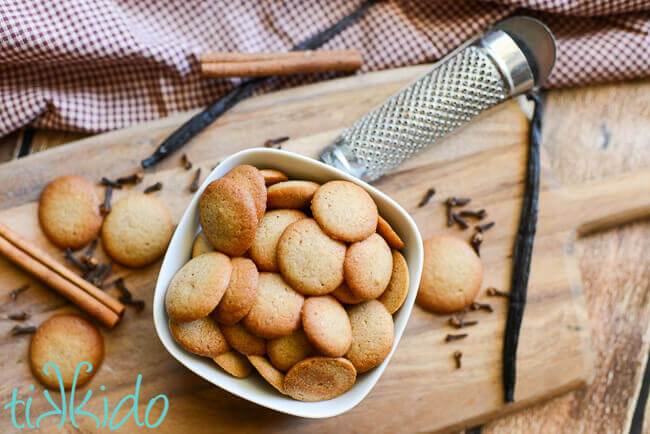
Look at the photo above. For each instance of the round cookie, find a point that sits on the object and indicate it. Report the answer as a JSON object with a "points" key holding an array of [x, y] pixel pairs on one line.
{"points": [[291, 194], [276, 311], [368, 266], [344, 295], [451, 276], [398, 287], [202, 337], [311, 261], [372, 335], [69, 212], [391, 237], [234, 363], [272, 176], [345, 211], [264, 248], [240, 293], [137, 230], [65, 341], [327, 325], [201, 245], [274, 377], [228, 216], [252, 179], [319, 378], [243, 341], [197, 288], [288, 350]]}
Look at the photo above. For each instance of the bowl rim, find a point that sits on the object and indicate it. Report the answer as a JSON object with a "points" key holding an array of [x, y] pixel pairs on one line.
{"points": [[160, 315]]}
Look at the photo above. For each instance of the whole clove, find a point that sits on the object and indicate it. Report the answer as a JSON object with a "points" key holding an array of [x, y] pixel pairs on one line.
{"points": [[459, 322], [16, 292], [137, 304], [451, 338], [476, 241], [485, 227], [493, 292], [107, 182], [136, 178], [105, 207], [88, 258], [457, 201], [194, 186], [68, 255], [22, 330], [462, 223], [480, 214], [458, 355], [101, 274], [481, 306], [19, 316], [275, 143], [450, 216], [427, 197], [119, 284], [152, 188], [91, 275], [187, 164]]}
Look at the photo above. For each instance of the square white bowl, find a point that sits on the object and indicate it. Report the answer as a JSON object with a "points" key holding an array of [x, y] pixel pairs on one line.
{"points": [[254, 388]]}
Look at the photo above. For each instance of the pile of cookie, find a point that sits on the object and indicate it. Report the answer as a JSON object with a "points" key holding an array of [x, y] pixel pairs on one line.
{"points": [[296, 279]]}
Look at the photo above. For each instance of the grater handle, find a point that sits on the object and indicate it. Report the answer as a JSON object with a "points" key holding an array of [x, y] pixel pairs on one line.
{"points": [[469, 81]]}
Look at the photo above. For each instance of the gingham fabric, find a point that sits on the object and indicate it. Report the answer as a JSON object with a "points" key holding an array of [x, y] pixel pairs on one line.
{"points": [[105, 64]]}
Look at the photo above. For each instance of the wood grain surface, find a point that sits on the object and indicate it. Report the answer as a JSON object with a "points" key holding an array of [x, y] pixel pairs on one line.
{"points": [[503, 129]]}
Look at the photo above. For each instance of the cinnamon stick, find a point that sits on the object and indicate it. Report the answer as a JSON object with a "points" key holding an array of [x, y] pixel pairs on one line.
{"points": [[222, 65]]}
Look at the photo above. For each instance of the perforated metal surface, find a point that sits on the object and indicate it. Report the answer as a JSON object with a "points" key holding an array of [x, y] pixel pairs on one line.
{"points": [[420, 114]]}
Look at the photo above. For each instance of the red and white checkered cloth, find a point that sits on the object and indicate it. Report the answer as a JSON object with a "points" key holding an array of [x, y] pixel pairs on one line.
{"points": [[106, 64]]}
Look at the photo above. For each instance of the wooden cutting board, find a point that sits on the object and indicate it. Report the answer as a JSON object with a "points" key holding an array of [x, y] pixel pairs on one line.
{"points": [[421, 390]]}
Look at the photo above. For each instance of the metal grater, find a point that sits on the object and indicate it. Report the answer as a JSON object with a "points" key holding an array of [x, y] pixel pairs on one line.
{"points": [[513, 58]]}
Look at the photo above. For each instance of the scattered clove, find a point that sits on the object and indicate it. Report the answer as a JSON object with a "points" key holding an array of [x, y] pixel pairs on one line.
{"points": [[450, 216], [74, 261], [152, 188], [459, 322], [138, 304], [88, 258], [187, 164], [493, 292], [102, 273], [481, 306], [427, 197], [480, 214], [20, 316], [105, 207], [22, 330], [91, 275], [194, 186], [459, 336], [462, 223], [458, 355], [275, 143], [136, 178], [485, 227], [476, 241], [457, 201], [16, 292], [107, 182]]}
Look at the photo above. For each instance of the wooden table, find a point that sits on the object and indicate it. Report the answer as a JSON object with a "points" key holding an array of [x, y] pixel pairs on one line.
{"points": [[589, 133]]}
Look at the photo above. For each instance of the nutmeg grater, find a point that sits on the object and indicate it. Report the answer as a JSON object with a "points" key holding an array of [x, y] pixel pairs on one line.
{"points": [[514, 57]]}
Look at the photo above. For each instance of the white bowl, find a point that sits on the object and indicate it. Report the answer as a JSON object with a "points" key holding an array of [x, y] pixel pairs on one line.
{"points": [[254, 388]]}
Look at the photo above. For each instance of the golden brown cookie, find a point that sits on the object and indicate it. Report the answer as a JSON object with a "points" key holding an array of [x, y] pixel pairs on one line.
{"points": [[391, 237], [368, 266], [291, 194], [201, 245], [272, 176], [327, 325], [240, 293], [202, 337], [197, 288], [372, 335], [345, 211], [69, 212], [288, 350], [264, 248], [398, 287], [65, 341], [137, 230], [252, 179], [234, 363], [451, 276], [276, 311], [274, 377], [228, 216], [243, 341], [311, 261], [344, 295], [319, 378]]}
